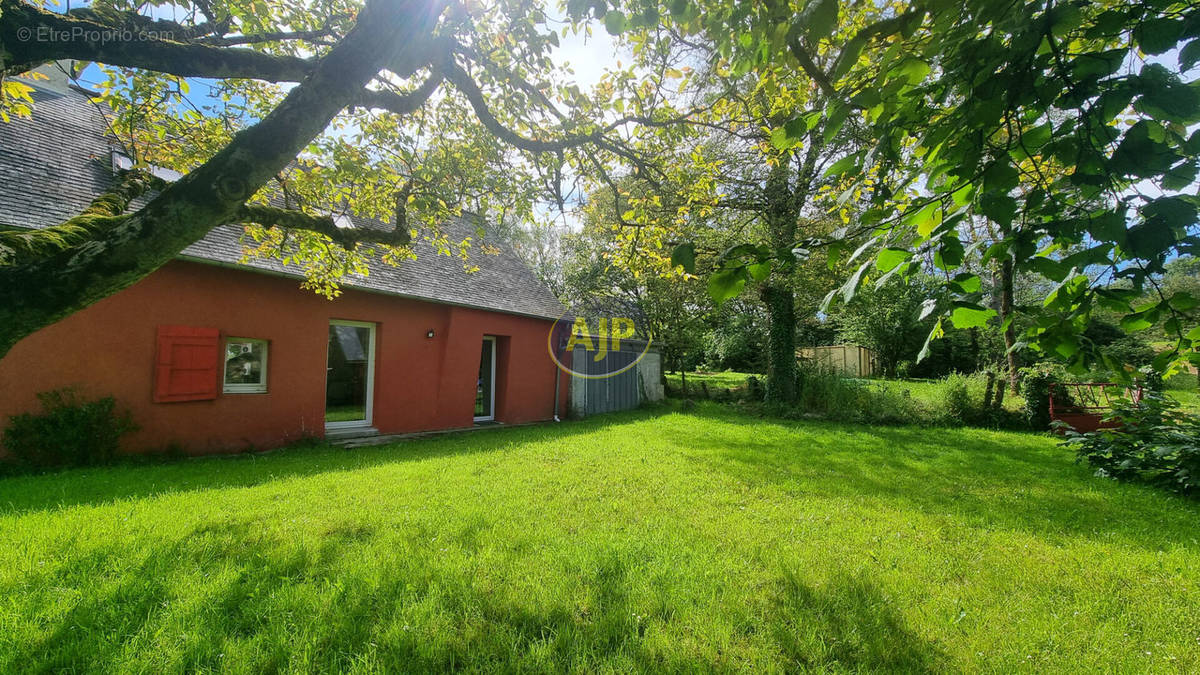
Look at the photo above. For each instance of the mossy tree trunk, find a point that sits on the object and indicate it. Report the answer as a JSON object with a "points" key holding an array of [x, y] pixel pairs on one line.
{"points": [[777, 292], [1006, 312], [119, 251]]}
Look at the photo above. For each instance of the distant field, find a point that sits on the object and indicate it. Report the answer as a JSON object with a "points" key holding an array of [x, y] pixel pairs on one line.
{"points": [[1181, 388], [922, 390], [723, 380]]}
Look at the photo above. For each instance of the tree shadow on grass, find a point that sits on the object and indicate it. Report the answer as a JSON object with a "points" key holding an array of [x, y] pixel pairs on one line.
{"points": [[847, 624], [98, 485], [984, 479], [284, 606]]}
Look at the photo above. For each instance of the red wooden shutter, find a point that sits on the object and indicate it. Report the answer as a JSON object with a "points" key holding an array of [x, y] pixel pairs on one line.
{"points": [[188, 363]]}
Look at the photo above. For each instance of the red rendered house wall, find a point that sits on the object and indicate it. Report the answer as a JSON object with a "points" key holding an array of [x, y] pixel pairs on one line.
{"points": [[420, 383]]}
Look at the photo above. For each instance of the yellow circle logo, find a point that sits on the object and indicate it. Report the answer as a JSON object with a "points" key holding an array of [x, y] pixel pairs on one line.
{"points": [[595, 347]]}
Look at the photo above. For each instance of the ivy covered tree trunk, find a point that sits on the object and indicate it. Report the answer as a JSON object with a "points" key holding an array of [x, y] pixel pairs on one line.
{"points": [[781, 345], [1006, 309], [777, 293]]}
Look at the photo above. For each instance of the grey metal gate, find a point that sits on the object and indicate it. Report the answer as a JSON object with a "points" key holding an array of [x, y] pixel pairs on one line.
{"points": [[606, 394]]}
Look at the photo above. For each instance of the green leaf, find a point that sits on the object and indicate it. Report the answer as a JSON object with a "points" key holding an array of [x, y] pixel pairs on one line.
{"points": [[963, 195], [889, 258], [843, 165], [759, 271], [1165, 97], [925, 220], [950, 254], [780, 139], [819, 19], [1135, 322], [1155, 36], [1184, 301], [851, 286], [1001, 176], [913, 70], [1051, 269], [1067, 347], [684, 256], [614, 22], [998, 207], [1038, 136], [849, 55], [968, 283], [835, 121], [1189, 56], [726, 284], [966, 315], [1095, 65], [936, 333], [797, 128], [1181, 176]]}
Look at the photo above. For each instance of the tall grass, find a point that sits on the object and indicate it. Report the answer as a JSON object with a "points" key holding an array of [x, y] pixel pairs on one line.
{"points": [[828, 394]]}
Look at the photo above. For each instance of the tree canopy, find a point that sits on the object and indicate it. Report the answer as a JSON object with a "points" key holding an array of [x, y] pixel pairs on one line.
{"points": [[404, 112], [1066, 125]]}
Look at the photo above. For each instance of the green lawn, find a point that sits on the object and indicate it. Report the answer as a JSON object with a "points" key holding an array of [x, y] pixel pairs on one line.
{"points": [[652, 540], [1189, 400], [921, 390], [720, 380], [345, 413], [1184, 390]]}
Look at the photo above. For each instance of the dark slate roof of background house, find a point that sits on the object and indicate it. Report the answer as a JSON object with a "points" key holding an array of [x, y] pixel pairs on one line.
{"points": [[53, 165]]}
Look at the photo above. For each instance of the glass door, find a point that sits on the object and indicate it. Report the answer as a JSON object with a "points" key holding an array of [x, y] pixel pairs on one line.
{"points": [[485, 387], [349, 374]]}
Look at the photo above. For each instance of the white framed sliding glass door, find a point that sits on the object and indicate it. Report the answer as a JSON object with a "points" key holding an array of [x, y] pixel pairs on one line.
{"points": [[485, 387], [350, 374]]}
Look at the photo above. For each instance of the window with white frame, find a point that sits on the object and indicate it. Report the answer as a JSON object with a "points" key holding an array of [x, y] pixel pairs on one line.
{"points": [[245, 366]]}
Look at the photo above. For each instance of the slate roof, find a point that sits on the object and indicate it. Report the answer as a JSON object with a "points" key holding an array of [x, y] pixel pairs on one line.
{"points": [[53, 165]]}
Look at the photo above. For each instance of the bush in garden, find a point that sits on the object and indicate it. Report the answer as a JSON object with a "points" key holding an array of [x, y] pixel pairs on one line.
{"points": [[888, 405], [70, 431], [754, 388], [1181, 382], [1129, 350], [1155, 443], [1151, 379], [821, 392], [1035, 388], [953, 400]]}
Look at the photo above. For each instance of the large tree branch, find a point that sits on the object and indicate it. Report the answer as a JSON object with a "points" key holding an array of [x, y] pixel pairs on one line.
{"points": [[38, 293], [318, 36], [401, 104], [808, 65], [823, 80], [466, 84], [139, 22], [105, 211], [31, 36], [347, 237], [597, 138]]}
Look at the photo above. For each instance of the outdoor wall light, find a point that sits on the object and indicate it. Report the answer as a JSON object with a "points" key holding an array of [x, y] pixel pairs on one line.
{"points": [[429, 334]]}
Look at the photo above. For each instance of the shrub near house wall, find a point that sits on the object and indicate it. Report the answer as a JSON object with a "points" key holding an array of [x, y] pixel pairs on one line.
{"points": [[70, 431]]}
